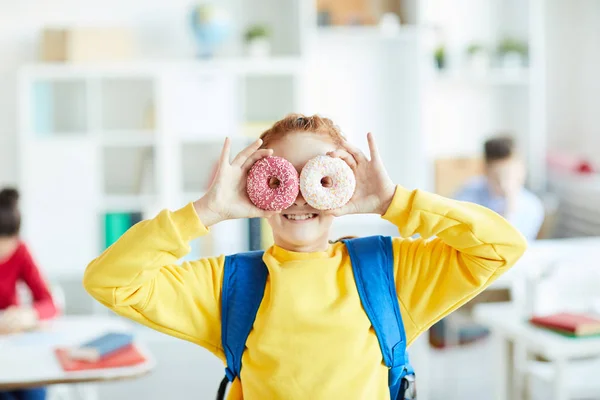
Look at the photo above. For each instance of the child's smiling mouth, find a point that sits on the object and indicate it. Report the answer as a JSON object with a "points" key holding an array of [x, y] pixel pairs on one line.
{"points": [[300, 217]]}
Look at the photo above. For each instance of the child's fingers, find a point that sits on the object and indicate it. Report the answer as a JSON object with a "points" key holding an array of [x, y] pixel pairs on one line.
{"points": [[355, 151], [344, 155], [374, 151], [224, 157], [243, 155], [269, 214], [254, 157], [258, 213], [338, 212]]}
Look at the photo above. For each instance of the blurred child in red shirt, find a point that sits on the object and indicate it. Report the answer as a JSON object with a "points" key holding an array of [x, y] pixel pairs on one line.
{"points": [[17, 265]]}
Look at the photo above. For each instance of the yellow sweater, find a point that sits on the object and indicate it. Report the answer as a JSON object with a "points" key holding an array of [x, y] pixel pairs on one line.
{"points": [[311, 338]]}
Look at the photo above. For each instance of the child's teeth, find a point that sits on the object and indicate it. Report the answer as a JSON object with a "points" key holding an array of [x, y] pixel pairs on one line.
{"points": [[299, 217]]}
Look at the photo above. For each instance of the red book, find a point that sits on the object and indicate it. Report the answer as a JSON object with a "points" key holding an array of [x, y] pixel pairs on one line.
{"points": [[575, 324], [126, 357]]}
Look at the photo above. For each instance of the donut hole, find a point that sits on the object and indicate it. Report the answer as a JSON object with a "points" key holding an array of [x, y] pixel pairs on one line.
{"points": [[326, 182], [274, 182]]}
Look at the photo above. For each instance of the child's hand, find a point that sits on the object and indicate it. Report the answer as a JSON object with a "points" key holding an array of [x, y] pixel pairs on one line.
{"points": [[16, 319], [227, 197], [374, 188]]}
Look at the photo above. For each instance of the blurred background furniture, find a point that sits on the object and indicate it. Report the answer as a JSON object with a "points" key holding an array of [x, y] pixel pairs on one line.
{"points": [[554, 275], [37, 365], [508, 328], [570, 285]]}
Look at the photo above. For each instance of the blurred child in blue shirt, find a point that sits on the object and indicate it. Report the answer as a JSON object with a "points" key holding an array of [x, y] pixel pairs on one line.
{"points": [[502, 189]]}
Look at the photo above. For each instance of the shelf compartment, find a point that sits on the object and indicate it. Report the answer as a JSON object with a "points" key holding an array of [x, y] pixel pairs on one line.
{"points": [[129, 171], [127, 104], [59, 108]]}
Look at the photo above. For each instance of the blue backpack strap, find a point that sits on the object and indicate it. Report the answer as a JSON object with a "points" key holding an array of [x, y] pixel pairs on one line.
{"points": [[244, 280], [373, 266]]}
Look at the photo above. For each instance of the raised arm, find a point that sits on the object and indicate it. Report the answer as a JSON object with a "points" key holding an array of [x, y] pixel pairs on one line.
{"points": [[472, 246], [139, 276]]}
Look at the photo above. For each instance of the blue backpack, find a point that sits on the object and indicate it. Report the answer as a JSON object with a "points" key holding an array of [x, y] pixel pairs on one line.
{"points": [[244, 281]]}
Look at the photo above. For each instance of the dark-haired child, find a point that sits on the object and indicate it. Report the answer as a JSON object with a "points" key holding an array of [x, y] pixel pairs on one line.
{"points": [[17, 265]]}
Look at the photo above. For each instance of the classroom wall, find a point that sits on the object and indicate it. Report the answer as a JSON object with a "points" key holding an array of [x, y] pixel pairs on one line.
{"points": [[573, 80]]}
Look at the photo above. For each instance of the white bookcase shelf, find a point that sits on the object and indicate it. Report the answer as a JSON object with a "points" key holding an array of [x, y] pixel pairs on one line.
{"points": [[127, 140], [131, 138], [492, 77], [125, 203], [140, 70]]}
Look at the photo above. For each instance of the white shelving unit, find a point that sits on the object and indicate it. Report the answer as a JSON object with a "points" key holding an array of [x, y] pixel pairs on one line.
{"points": [[473, 105], [132, 138]]}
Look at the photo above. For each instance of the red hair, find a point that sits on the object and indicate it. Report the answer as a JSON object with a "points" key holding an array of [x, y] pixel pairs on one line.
{"points": [[293, 123]]}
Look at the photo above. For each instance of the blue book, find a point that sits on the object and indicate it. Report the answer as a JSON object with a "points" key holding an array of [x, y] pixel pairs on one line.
{"points": [[98, 348]]}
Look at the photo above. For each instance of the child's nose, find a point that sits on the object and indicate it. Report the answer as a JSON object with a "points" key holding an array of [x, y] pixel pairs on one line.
{"points": [[300, 200]]}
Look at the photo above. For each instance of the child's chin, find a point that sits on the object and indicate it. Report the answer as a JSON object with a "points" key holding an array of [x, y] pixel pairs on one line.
{"points": [[304, 237]]}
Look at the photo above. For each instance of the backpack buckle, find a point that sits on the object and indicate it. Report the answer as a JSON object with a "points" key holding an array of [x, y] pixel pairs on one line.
{"points": [[229, 374], [411, 388]]}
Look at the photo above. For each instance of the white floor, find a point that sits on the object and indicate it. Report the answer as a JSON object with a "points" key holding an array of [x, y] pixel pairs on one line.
{"points": [[462, 373]]}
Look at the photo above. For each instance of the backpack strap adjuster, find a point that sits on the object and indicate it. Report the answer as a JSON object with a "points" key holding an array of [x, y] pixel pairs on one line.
{"points": [[410, 392], [229, 374]]}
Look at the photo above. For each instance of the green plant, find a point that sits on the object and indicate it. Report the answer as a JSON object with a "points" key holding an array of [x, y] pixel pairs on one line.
{"points": [[511, 45], [257, 31], [440, 56], [475, 48]]}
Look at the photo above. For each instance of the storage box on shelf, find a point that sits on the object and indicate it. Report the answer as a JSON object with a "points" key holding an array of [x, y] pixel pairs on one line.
{"points": [[87, 44]]}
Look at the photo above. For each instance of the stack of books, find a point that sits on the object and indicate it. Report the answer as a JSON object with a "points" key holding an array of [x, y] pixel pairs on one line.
{"points": [[111, 350], [569, 324]]}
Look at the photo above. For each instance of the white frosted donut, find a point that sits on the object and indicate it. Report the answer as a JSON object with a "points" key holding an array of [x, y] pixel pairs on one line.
{"points": [[338, 193]]}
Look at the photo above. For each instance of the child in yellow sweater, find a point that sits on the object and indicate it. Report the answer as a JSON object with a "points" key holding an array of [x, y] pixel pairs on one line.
{"points": [[311, 338]]}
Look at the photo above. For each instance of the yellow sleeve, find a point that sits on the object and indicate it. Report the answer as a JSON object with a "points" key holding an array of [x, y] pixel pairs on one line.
{"points": [[138, 277], [472, 247]]}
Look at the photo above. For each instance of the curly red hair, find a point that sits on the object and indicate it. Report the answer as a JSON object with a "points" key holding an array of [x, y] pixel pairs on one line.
{"points": [[302, 123]]}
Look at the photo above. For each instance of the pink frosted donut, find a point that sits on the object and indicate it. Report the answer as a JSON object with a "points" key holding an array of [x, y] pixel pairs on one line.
{"points": [[266, 197], [338, 173]]}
